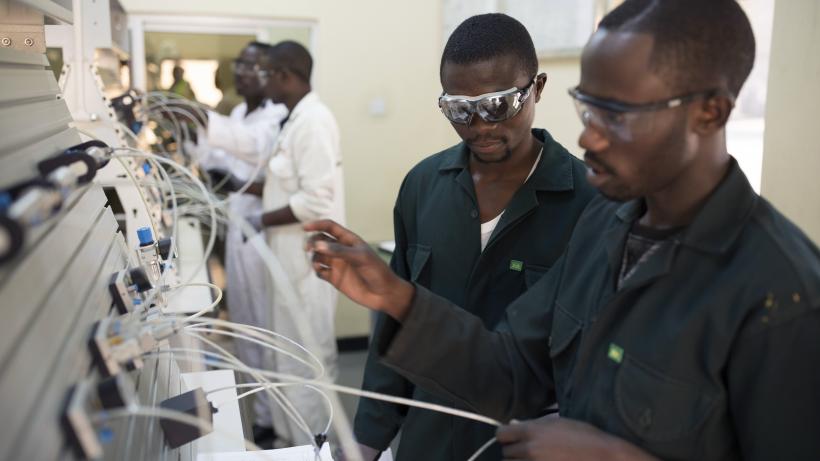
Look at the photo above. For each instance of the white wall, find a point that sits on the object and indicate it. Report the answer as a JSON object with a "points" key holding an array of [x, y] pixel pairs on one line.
{"points": [[791, 157]]}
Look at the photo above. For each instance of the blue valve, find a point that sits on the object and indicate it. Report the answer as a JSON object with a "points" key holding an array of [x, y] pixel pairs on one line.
{"points": [[145, 236], [5, 200], [105, 435]]}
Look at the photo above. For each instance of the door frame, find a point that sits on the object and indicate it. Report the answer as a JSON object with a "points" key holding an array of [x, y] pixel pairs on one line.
{"points": [[139, 24]]}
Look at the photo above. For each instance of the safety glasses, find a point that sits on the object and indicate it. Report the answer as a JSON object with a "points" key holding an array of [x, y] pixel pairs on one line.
{"points": [[247, 68], [622, 120], [491, 107]]}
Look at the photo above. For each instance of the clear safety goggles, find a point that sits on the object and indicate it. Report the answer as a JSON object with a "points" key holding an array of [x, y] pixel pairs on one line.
{"points": [[240, 67], [622, 120], [491, 107]]}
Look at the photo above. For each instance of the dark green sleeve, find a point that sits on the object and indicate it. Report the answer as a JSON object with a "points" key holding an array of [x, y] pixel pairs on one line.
{"points": [[377, 422], [774, 390], [503, 374]]}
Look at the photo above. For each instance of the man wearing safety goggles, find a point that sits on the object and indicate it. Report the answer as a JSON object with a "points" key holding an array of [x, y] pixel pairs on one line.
{"points": [[681, 322], [478, 223]]}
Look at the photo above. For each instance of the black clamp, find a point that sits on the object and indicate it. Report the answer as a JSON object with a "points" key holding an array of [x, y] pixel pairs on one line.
{"points": [[12, 227], [78, 153]]}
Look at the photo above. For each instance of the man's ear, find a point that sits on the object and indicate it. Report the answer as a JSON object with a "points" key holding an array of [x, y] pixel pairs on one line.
{"points": [[288, 77], [712, 114], [540, 83]]}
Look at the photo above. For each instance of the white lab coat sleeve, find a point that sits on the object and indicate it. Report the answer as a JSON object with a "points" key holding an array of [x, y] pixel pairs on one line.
{"points": [[315, 151], [243, 140], [201, 151]]}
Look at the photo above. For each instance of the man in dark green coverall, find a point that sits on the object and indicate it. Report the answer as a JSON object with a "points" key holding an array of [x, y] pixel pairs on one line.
{"points": [[682, 320], [478, 223]]}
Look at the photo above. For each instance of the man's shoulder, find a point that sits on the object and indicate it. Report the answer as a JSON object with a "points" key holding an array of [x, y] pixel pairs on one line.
{"points": [[426, 175], [553, 148], [599, 213], [430, 167], [790, 259], [775, 269], [314, 113], [316, 105], [273, 110], [238, 111], [314, 123], [560, 158]]}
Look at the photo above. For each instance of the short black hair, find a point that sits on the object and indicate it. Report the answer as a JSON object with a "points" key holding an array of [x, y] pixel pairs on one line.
{"points": [[486, 36], [260, 45], [697, 43], [294, 57]]}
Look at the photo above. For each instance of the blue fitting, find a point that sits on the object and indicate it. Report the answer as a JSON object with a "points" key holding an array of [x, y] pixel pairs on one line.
{"points": [[145, 236], [105, 435], [146, 167], [5, 200]]}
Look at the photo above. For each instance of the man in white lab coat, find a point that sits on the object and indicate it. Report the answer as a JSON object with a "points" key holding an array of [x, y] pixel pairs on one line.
{"points": [[303, 182], [239, 145]]}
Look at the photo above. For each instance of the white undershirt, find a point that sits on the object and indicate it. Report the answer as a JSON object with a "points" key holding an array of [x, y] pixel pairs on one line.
{"points": [[487, 228]]}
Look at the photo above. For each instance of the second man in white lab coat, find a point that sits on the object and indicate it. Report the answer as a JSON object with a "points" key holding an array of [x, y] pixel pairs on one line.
{"points": [[239, 146], [303, 183]]}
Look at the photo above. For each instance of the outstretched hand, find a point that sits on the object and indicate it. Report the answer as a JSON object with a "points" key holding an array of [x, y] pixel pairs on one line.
{"points": [[349, 264]]}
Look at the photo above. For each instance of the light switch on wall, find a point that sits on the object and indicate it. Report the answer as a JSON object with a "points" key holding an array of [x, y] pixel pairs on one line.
{"points": [[377, 107]]}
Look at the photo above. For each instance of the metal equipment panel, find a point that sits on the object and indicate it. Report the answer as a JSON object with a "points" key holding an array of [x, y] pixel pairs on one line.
{"points": [[31, 112], [24, 290], [19, 163], [30, 122], [27, 83], [23, 375], [57, 286], [41, 438]]}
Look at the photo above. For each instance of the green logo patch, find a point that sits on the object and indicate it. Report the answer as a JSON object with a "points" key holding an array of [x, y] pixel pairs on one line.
{"points": [[516, 265], [616, 353]]}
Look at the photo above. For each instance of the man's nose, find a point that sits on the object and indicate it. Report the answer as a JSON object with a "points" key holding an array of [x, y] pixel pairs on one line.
{"points": [[480, 126]]}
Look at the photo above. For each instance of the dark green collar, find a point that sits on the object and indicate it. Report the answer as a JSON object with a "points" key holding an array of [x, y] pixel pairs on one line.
{"points": [[553, 173], [721, 219]]}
